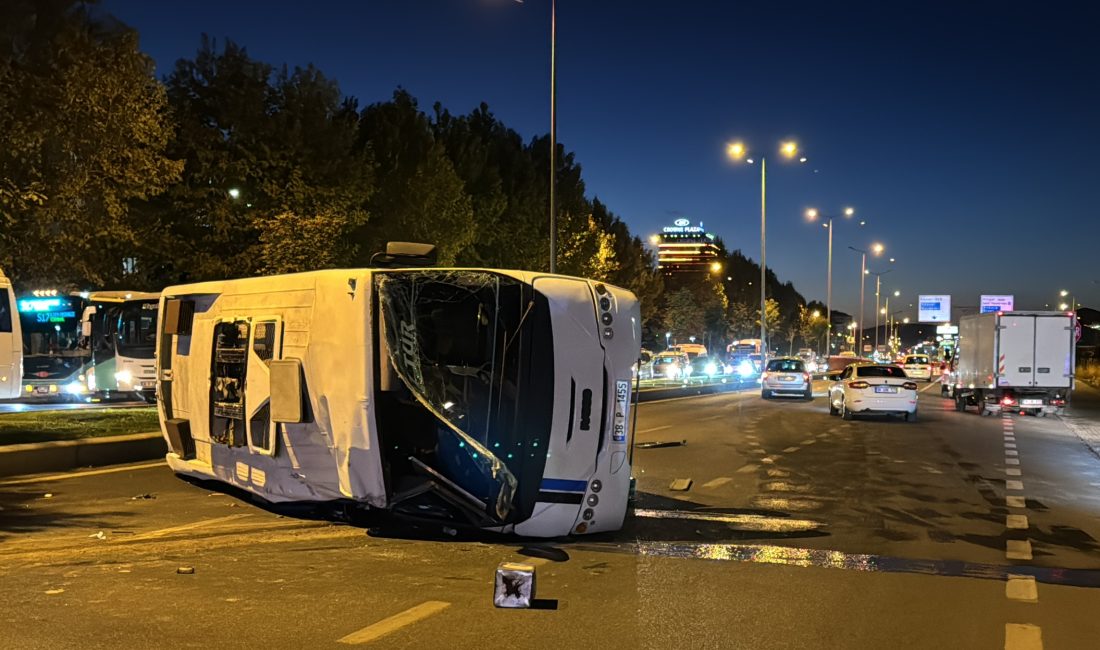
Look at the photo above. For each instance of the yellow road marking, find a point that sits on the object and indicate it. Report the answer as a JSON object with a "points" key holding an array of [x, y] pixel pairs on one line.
{"points": [[91, 472], [1020, 636], [396, 622], [185, 527]]}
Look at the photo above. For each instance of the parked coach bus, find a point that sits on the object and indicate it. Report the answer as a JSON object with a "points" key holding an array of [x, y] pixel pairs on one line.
{"points": [[121, 328], [463, 397], [56, 357], [11, 342]]}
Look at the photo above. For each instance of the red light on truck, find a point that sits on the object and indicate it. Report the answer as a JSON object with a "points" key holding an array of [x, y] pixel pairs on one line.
{"points": [[1008, 400]]}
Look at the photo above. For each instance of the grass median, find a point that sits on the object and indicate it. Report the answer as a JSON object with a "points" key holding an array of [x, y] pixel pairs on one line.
{"points": [[46, 426]]}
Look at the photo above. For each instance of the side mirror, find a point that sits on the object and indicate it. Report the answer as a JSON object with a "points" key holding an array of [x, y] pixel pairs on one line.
{"points": [[833, 375], [86, 328], [286, 391]]}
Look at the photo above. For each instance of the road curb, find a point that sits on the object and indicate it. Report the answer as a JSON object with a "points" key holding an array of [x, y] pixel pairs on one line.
{"points": [[61, 455]]}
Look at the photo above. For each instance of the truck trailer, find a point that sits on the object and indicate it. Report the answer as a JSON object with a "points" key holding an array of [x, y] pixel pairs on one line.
{"points": [[1019, 361]]}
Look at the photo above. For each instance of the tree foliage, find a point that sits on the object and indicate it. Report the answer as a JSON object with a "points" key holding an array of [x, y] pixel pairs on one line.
{"points": [[84, 129]]}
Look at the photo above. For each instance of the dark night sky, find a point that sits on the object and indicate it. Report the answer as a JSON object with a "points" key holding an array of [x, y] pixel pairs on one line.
{"points": [[966, 137]]}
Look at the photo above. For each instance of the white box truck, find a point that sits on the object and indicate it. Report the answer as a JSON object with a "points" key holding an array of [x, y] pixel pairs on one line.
{"points": [[1017, 361]]}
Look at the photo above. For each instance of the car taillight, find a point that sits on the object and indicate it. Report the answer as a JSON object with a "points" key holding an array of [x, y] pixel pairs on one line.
{"points": [[765, 375], [909, 386], [859, 384], [1008, 400], [806, 376]]}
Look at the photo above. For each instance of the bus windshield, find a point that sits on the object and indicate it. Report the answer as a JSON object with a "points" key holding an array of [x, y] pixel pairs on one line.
{"points": [[136, 329], [473, 347], [52, 344]]}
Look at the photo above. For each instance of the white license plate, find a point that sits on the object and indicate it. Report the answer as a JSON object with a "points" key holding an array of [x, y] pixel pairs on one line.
{"points": [[786, 379], [885, 389], [148, 384], [42, 390], [1032, 402]]}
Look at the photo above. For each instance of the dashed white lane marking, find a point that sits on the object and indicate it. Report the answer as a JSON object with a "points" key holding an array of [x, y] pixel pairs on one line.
{"points": [[661, 428], [1012, 471], [1012, 461], [1022, 636], [1014, 485], [1011, 452], [790, 449], [713, 417], [1023, 588], [1010, 445], [395, 622], [768, 460], [91, 472], [1016, 522], [1015, 502], [808, 442], [718, 482], [928, 386], [746, 469], [1016, 549]]}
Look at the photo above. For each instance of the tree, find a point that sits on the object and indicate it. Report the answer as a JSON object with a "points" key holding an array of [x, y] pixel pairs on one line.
{"points": [[682, 314], [84, 129], [812, 326], [742, 318], [419, 197], [259, 144], [291, 243], [773, 326]]}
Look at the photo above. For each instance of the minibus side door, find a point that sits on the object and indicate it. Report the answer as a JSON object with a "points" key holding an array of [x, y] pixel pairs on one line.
{"points": [[264, 345]]}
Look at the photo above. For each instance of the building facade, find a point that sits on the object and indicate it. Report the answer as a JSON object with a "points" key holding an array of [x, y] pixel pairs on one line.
{"points": [[684, 248]]}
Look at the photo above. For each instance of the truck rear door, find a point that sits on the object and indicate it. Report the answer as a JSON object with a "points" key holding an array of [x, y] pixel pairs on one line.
{"points": [[1054, 342], [1016, 351]]}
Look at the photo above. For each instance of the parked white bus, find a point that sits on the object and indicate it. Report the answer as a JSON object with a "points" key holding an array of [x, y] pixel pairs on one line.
{"points": [[121, 328], [11, 343], [463, 397]]}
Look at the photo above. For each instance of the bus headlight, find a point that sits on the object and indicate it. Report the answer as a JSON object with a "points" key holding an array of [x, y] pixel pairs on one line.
{"points": [[588, 514], [745, 368], [124, 377], [593, 500], [74, 388], [711, 368]]}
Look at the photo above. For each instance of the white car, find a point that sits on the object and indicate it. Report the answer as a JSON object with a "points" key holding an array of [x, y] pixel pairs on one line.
{"points": [[918, 366], [865, 388]]}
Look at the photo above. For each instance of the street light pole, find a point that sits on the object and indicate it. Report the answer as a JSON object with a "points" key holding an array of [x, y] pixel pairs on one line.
{"points": [[862, 320], [763, 250], [553, 132], [878, 285], [829, 293]]}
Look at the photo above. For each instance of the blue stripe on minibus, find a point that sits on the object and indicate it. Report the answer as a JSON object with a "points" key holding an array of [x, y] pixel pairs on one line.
{"points": [[563, 485]]}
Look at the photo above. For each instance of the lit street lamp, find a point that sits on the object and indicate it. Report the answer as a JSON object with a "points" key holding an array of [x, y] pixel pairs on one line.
{"points": [[737, 151], [234, 193], [812, 215]]}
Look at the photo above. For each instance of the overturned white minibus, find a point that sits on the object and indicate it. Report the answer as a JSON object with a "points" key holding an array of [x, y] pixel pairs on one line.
{"points": [[464, 397]]}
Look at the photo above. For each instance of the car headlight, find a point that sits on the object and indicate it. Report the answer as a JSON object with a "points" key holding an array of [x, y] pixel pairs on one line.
{"points": [[124, 377], [711, 368], [745, 368], [74, 388]]}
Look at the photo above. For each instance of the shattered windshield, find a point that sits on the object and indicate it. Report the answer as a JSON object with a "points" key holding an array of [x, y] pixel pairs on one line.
{"points": [[466, 343]]}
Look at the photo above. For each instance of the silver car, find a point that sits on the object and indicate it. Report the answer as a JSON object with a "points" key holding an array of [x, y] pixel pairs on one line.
{"points": [[786, 376]]}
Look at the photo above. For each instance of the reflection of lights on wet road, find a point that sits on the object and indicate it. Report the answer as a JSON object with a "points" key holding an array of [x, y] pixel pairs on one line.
{"points": [[741, 522]]}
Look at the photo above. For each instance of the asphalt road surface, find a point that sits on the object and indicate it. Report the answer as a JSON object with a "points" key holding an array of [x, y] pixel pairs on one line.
{"points": [[800, 530]]}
